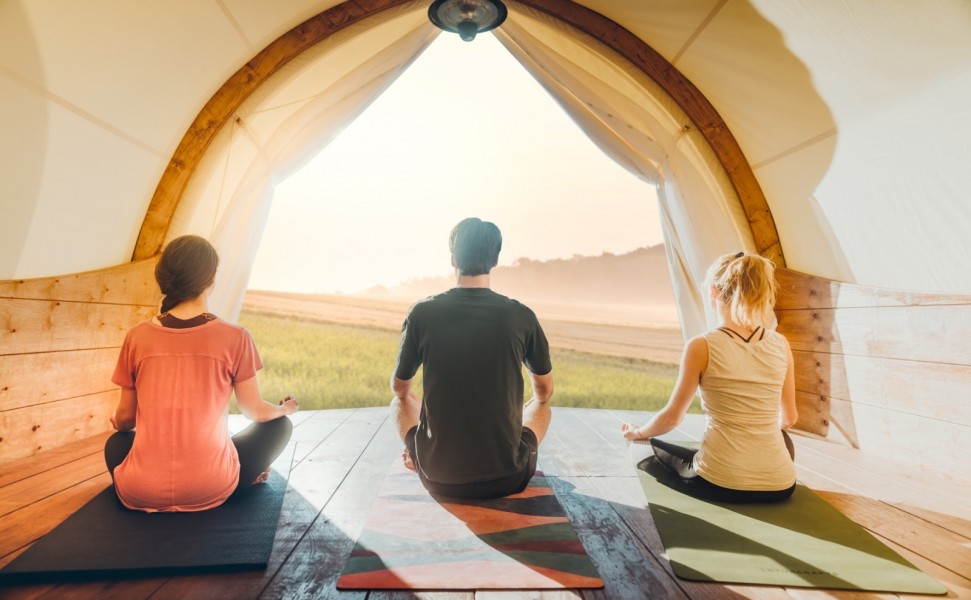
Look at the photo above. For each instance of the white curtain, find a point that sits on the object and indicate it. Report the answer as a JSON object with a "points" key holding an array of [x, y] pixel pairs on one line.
{"points": [[280, 128], [640, 127]]}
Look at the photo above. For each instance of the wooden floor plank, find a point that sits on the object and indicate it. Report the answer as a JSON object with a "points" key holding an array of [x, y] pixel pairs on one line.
{"points": [[123, 589], [870, 492], [625, 564], [22, 592], [606, 425], [927, 496], [554, 457], [934, 543], [52, 481], [303, 415], [592, 452], [884, 470], [313, 567], [627, 568], [12, 472], [959, 586], [316, 430]]}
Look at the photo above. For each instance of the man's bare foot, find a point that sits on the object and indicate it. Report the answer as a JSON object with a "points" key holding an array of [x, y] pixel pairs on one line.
{"points": [[263, 477], [406, 458]]}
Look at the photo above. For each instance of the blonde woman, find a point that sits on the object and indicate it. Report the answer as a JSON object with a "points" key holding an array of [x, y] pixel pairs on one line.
{"points": [[748, 392]]}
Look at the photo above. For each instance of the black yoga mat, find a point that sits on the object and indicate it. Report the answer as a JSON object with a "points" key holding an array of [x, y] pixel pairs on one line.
{"points": [[104, 539]]}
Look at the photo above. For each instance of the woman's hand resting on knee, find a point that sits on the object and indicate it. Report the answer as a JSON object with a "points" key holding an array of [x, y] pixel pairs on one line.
{"points": [[631, 432]]}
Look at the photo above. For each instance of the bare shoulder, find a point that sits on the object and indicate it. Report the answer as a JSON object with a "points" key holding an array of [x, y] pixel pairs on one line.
{"points": [[697, 344], [694, 361]]}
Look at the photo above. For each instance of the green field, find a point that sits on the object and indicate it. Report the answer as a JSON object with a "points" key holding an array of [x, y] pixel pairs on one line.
{"points": [[327, 365]]}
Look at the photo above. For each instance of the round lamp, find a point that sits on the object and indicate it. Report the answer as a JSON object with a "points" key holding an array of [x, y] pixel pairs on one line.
{"points": [[467, 17]]}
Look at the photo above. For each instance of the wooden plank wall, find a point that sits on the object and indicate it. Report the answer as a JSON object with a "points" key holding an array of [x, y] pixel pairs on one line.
{"points": [[59, 340], [885, 371]]}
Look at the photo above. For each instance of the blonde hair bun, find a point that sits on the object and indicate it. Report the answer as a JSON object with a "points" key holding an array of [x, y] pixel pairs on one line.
{"points": [[746, 284]]}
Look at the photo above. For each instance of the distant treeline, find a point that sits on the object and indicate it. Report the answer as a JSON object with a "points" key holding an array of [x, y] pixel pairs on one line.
{"points": [[637, 277]]}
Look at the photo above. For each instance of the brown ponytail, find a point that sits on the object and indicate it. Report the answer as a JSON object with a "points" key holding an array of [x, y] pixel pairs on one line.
{"points": [[746, 284], [187, 267]]}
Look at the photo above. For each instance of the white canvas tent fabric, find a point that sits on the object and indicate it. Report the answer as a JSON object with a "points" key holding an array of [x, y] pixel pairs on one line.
{"points": [[888, 184], [854, 117], [639, 126]]}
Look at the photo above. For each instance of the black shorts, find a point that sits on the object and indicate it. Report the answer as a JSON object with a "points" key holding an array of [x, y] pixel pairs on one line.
{"points": [[480, 490]]}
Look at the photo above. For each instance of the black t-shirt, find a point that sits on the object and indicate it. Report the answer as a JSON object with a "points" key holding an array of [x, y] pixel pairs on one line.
{"points": [[472, 343]]}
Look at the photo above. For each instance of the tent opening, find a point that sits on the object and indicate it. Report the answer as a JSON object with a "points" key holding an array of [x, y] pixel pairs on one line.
{"points": [[299, 108], [360, 232]]}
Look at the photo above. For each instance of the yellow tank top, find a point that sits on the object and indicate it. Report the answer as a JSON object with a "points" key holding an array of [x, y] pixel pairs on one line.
{"points": [[741, 393]]}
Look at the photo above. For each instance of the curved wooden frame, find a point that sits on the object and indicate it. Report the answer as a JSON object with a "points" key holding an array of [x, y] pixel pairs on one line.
{"points": [[244, 82]]}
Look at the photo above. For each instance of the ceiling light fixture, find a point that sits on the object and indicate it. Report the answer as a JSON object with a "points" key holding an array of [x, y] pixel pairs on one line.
{"points": [[467, 17]]}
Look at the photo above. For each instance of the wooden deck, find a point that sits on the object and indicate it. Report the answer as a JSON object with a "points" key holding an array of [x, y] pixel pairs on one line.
{"points": [[341, 456]]}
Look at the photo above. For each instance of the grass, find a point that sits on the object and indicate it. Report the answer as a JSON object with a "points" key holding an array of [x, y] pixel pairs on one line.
{"points": [[327, 365]]}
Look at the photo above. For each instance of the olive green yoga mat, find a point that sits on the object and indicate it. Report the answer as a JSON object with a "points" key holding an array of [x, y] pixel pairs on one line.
{"points": [[801, 542]]}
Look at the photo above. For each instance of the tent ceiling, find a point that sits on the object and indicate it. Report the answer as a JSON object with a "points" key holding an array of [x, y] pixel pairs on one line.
{"points": [[853, 116]]}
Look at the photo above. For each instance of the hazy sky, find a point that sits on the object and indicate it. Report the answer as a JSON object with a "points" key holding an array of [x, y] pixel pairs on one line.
{"points": [[465, 131]]}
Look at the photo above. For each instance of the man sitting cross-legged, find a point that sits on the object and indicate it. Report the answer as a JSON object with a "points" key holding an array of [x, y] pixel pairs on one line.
{"points": [[470, 436]]}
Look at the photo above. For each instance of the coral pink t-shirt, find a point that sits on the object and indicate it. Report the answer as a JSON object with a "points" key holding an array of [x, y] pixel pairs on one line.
{"points": [[183, 458]]}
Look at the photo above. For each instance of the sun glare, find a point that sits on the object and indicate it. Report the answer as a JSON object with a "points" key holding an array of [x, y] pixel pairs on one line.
{"points": [[465, 131]]}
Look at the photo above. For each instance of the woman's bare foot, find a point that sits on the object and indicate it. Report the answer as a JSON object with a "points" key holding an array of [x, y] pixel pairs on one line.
{"points": [[263, 477], [406, 458]]}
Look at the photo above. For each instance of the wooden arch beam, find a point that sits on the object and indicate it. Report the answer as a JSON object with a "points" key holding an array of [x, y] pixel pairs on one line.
{"points": [[253, 74]]}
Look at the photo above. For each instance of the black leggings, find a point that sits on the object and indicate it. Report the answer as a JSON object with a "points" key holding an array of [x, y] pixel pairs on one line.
{"points": [[680, 461], [480, 490], [258, 445]]}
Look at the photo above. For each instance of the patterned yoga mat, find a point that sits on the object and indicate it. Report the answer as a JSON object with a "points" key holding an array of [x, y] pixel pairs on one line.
{"points": [[414, 541]]}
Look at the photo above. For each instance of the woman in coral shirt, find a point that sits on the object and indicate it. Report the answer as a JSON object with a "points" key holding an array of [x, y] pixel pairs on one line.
{"points": [[177, 372]]}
